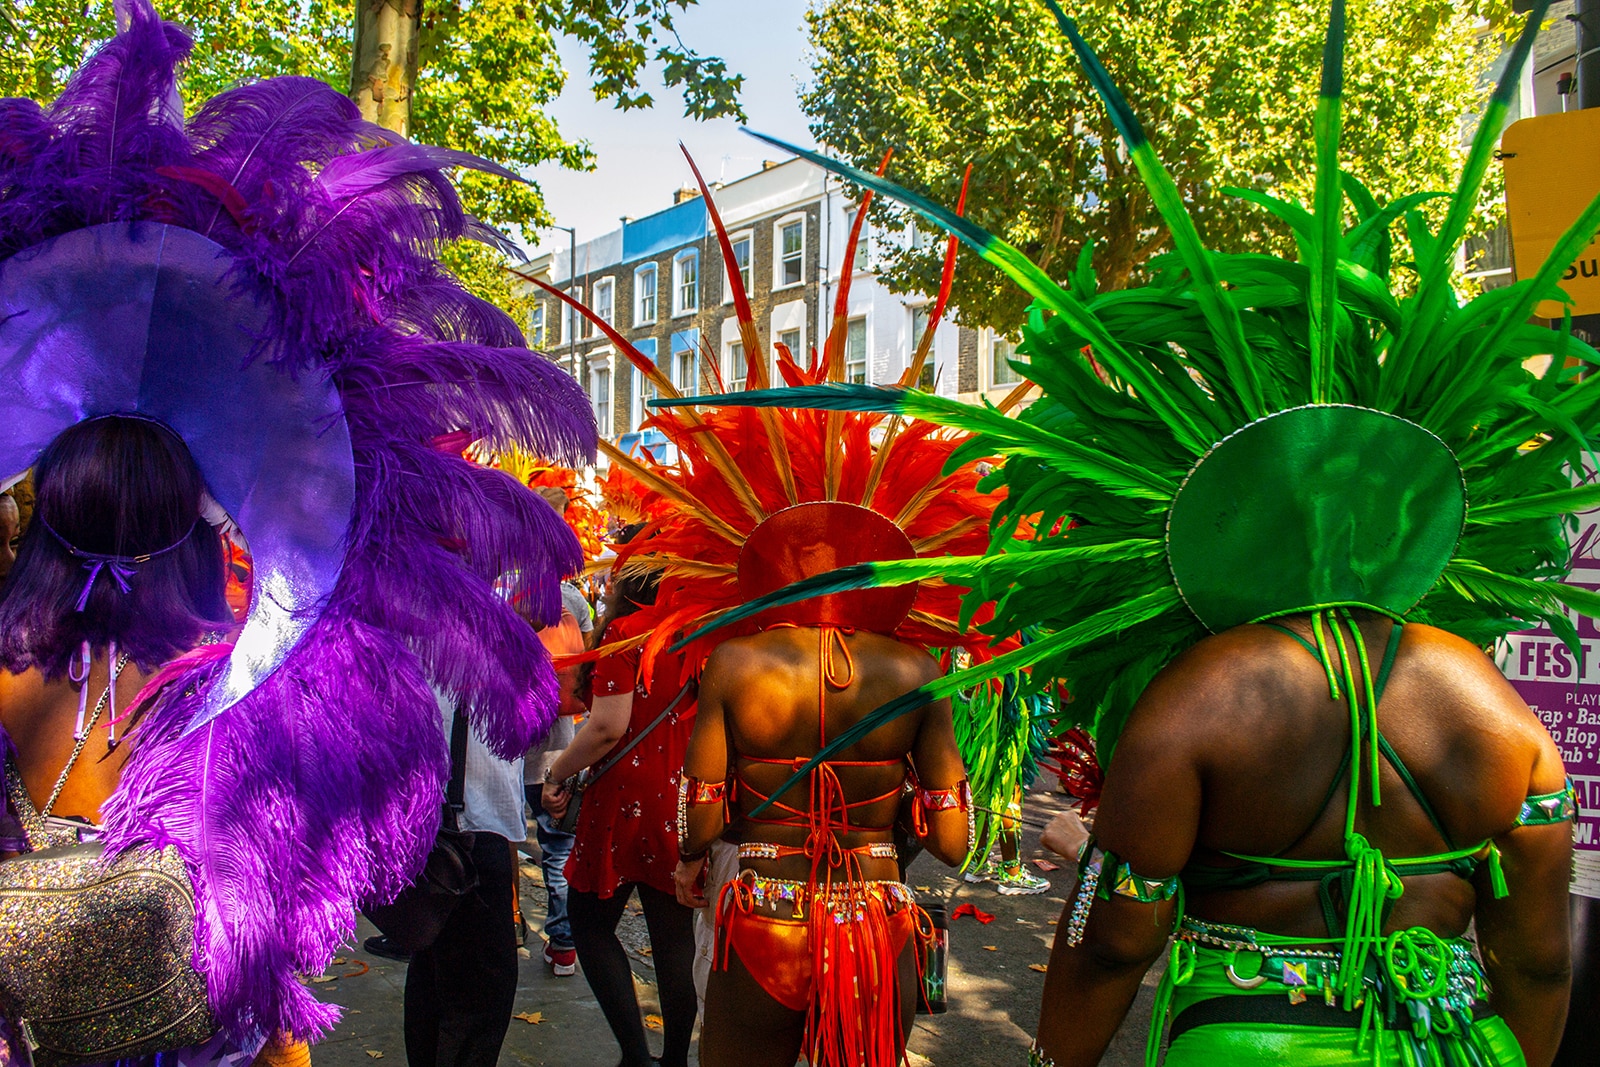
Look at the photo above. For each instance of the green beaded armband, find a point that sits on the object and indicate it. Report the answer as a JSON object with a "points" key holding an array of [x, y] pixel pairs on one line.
{"points": [[1101, 874], [1117, 877], [1549, 808]]}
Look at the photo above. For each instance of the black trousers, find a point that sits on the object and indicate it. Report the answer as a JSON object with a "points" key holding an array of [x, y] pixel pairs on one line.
{"points": [[606, 967], [459, 991]]}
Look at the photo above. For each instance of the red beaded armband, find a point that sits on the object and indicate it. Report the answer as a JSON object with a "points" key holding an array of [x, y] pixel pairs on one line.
{"points": [[957, 799], [696, 791]]}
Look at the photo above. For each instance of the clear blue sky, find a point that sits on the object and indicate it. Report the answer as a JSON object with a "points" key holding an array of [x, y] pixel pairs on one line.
{"points": [[639, 165]]}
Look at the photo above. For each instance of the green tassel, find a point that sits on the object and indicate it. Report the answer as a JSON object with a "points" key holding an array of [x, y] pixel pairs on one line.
{"points": [[1323, 655], [1497, 874]]}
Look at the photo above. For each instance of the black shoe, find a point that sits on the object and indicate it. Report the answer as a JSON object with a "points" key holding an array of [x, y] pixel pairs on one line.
{"points": [[382, 946]]}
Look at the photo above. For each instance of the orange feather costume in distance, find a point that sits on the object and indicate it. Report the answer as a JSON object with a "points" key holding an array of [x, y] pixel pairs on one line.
{"points": [[758, 498]]}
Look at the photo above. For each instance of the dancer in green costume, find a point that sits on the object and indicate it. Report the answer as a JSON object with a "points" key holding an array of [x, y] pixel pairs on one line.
{"points": [[1351, 492]]}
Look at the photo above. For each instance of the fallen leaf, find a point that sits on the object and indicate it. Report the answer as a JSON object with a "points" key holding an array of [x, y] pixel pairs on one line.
{"points": [[652, 1022], [338, 960], [922, 889], [533, 1018], [320, 978], [1041, 968], [1046, 865], [374, 1053], [991, 948]]}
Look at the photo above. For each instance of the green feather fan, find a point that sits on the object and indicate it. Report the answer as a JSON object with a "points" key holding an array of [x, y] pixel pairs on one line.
{"points": [[1222, 341]]}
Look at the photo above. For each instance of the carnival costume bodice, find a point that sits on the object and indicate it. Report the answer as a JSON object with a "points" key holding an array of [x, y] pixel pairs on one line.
{"points": [[1411, 986]]}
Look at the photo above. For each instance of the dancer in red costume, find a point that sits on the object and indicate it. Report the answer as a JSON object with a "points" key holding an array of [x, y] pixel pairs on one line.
{"points": [[814, 933]]}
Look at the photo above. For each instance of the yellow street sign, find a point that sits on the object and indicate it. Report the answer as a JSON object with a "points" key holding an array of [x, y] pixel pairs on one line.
{"points": [[1552, 168]]}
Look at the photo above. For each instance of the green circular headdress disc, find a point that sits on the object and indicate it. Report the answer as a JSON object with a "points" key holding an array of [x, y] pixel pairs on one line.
{"points": [[1315, 507]]}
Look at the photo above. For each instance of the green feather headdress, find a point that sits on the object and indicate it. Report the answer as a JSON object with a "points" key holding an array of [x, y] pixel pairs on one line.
{"points": [[1409, 422]]}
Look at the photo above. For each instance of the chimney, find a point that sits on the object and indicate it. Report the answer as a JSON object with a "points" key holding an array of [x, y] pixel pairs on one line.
{"points": [[687, 192]]}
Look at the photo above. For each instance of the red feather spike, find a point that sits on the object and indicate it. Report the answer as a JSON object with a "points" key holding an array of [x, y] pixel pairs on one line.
{"points": [[838, 335], [756, 371], [946, 281], [717, 455], [925, 346]]}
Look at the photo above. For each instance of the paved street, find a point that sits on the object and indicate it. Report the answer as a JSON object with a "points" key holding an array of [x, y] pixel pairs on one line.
{"points": [[994, 993]]}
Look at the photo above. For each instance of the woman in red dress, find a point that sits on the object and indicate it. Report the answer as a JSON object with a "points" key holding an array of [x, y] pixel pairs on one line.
{"points": [[627, 832]]}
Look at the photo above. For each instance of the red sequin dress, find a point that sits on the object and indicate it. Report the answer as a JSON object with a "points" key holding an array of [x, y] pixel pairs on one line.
{"points": [[628, 825]]}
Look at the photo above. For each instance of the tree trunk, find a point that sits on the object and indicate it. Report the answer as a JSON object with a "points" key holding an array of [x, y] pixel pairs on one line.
{"points": [[385, 61]]}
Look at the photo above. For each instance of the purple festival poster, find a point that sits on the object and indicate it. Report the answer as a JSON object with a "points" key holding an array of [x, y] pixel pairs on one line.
{"points": [[1564, 691]]}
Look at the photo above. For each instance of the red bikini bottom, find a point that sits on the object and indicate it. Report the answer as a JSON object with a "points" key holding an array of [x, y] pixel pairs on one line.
{"points": [[835, 956]]}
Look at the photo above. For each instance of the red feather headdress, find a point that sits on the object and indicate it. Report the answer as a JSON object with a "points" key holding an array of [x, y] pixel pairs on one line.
{"points": [[759, 498]]}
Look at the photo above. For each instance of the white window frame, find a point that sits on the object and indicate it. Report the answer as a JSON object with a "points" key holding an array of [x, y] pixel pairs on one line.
{"points": [[863, 241], [687, 383], [609, 287], [679, 308], [748, 271], [930, 368], [865, 362], [778, 257], [797, 352], [640, 318], [997, 366], [642, 388], [733, 354], [536, 329], [570, 330], [604, 406]]}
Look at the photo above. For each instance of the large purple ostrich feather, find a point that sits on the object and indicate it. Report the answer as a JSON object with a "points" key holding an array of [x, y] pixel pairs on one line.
{"points": [[321, 789]]}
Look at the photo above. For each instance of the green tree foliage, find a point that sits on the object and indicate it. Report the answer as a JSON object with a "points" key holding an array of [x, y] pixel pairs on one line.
{"points": [[488, 68], [1226, 91]]}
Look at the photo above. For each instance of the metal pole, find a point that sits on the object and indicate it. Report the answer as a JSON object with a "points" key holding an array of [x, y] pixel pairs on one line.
{"points": [[1586, 18], [572, 316], [1583, 1014]]}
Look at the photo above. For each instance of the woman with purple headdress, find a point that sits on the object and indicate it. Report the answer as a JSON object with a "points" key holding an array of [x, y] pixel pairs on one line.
{"points": [[245, 315]]}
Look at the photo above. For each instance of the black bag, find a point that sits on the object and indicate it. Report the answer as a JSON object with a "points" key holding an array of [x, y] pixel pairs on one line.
{"points": [[579, 782], [415, 918]]}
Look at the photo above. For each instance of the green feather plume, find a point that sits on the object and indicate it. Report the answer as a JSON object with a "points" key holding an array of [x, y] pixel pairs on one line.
{"points": [[1213, 342]]}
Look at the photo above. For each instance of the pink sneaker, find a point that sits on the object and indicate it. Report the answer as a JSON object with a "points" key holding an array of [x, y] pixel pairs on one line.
{"points": [[564, 961]]}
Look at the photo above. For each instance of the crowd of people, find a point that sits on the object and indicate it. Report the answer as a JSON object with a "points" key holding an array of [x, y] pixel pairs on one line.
{"points": [[1252, 536]]}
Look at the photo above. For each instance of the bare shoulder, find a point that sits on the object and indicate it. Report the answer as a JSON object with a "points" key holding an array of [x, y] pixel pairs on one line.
{"points": [[907, 664], [1226, 680]]}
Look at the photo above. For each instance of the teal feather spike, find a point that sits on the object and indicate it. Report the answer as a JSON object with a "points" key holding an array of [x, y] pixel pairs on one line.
{"points": [[1002, 433], [1001, 569], [1187, 423], [1113, 621], [1136, 384], [1328, 203], [1221, 315]]}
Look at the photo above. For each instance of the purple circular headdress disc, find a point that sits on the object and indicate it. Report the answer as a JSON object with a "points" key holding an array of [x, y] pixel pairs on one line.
{"points": [[142, 319]]}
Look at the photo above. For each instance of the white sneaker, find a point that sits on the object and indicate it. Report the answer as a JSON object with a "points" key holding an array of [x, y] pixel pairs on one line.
{"points": [[1016, 882], [983, 872], [563, 961]]}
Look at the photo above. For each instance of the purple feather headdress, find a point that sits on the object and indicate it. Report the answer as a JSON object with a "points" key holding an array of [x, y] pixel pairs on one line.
{"points": [[319, 789]]}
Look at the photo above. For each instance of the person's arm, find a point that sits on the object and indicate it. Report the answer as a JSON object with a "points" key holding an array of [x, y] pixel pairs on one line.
{"points": [[1524, 937], [937, 760], [1065, 834], [1148, 817], [705, 766], [597, 736]]}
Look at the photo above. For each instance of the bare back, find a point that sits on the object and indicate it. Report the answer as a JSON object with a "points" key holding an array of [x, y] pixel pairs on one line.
{"points": [[1250, 710], [40, 717], [765, 690]]}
